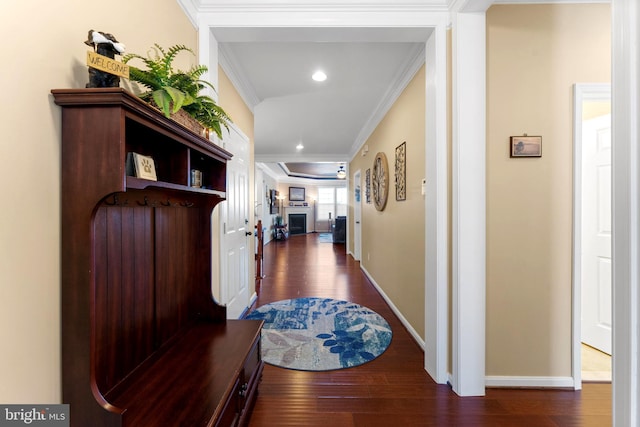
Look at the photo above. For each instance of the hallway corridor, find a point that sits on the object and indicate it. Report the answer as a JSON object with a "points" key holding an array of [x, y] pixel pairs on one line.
{"points": [[394, 389]]}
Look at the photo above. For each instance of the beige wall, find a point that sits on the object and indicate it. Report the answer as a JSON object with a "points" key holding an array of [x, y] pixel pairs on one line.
{"points": [[44, 49], [233, 104], [393, 248], [535, 54]]}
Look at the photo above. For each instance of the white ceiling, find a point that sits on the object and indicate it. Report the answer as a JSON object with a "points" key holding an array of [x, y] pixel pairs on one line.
{"points": [[271, 63], [367, 69]]}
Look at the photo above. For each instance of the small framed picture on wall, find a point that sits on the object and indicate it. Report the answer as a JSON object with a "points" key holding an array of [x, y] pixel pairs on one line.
{"points": [[526, 146]]}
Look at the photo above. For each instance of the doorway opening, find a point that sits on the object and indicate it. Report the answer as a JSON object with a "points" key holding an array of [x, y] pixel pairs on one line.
{"points": [[592, 267]]}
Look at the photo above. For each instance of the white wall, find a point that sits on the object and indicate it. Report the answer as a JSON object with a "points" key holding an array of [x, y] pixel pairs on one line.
{"points": [[265, 182]]}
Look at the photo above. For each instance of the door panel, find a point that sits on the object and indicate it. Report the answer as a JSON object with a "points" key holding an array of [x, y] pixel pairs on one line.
{"points": [[596, 233], [236, 235]]}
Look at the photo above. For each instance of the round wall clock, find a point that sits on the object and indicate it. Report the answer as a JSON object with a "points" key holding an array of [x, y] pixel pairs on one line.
{"points": [[380, 181]]}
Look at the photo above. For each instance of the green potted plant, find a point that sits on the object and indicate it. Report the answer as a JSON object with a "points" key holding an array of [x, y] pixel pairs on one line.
{"points": [[172, 90]]}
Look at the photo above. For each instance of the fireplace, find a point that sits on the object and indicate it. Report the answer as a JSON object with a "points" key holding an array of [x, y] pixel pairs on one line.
{"points": [[297, 223]]}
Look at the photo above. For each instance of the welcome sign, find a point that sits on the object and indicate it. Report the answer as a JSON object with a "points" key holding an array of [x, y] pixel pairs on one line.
{"points": [[106, 64]]}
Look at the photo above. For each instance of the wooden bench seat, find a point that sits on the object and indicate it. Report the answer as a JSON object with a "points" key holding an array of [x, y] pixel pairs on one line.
{"points": [[198, 379]]}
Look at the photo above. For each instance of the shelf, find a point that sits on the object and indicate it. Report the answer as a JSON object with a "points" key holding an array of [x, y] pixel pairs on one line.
{"points": [[143, 340], [142, 184]]}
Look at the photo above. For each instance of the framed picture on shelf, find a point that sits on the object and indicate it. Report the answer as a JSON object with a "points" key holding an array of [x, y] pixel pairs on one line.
{"points": [[296, 194], [526, 146], [141, 166]]}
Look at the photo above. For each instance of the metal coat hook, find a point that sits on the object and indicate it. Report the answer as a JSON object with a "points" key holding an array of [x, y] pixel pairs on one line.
{"points": [[115, 201], [146, 202], [167, 203]]}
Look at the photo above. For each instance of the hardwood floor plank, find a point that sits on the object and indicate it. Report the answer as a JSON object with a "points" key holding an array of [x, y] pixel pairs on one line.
{"points": [[451, 420], [394, 389], [285, 419], [583, 421]]}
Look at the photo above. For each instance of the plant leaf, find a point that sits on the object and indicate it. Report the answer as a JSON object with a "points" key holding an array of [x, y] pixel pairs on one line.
{"points": [[172, 90], [177, 97], [163, 101]]}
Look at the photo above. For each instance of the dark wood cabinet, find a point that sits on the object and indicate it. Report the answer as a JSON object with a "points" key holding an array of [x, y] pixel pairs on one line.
{"points": [[144, 343]]}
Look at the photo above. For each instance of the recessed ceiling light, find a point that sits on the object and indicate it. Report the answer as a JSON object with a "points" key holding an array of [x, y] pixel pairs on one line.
{"points": [[299, 146], [319, 76]]}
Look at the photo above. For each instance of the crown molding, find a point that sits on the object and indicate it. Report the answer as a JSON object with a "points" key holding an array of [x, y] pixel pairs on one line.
{"points": [[230, 66], [399, 83], [267, 171], [470, 6], [190, 9], [204, 5], [551, 1], [300, 158], [283, 178], [327, 13]]}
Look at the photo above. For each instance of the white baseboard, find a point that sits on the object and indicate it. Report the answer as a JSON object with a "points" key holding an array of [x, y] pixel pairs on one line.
{"points": [[253, 299], [490, 381], [397, 312], [529, 382]]}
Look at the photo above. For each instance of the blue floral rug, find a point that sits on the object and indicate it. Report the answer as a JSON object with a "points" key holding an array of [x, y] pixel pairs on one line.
{"points": [[320, 334]]}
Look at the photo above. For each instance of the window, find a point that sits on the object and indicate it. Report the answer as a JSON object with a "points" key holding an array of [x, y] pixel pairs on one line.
{"points": [[326, 203], [331, 200]]}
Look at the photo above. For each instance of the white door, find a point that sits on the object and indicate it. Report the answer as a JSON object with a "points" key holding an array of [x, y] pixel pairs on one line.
{"points": [[237, 241], [596, 233], [357, 215]]}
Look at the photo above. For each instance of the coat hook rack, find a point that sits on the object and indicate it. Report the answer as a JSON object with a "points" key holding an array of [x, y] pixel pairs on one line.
{"points": [[115, 201]]}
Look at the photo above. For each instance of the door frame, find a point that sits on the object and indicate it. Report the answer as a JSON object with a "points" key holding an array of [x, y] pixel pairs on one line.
{"points": [[465, 369], [436, 239], [581, 92], [357, 215]]}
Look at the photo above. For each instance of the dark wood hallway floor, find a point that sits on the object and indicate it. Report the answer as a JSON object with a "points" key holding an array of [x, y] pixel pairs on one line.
{"points": [[392, 390]]}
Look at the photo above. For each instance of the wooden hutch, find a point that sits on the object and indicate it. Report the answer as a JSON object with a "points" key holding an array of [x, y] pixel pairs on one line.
{"points": [[143, 341]]}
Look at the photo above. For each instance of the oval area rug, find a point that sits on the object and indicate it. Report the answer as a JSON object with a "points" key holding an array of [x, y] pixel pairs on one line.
{"points": [[320, 334]]}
